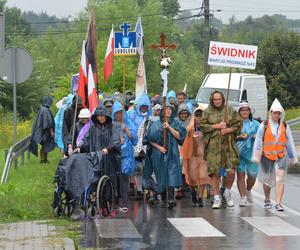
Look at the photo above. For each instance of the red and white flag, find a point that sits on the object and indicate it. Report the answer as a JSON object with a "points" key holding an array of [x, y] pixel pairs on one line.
{"points": [[82, 77], [109, 57], [92, 93]]}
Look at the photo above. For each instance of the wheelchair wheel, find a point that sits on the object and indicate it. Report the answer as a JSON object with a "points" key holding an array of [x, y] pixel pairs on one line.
{"points": [[92, 212], [58, 211], [67, 204], [105, 196]]}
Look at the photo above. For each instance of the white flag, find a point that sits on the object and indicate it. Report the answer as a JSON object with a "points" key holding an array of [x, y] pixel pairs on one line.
{"points": [[139, 36], [164, 76], [141, 84]]}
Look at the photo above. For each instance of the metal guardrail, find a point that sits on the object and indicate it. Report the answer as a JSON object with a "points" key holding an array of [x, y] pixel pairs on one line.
{"points": [[294, 121], [14, 152]]}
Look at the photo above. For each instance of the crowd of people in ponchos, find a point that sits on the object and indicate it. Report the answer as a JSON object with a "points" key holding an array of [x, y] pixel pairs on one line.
{"points": [[202, 152]]}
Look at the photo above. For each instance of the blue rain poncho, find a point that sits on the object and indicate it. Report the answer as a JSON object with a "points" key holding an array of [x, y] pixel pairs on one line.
{"points": [[246, 146], [136, 116], [166, 167], [127, 148], [58, 120], [171, 94]]}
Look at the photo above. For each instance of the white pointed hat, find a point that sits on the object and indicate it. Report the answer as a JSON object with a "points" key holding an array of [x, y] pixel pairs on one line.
{"points": [[276, 106]]}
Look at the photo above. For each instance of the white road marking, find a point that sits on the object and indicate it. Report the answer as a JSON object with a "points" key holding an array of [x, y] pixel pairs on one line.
{"points": [[195, 227], [273, 226], [259, 200], [117, 228]]}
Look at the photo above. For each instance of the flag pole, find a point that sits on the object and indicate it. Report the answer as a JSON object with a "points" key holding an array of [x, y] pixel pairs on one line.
{"points": [[74, 121], [227, 97], [112, 73], [165, 120], [124, 89], [112, 80]]}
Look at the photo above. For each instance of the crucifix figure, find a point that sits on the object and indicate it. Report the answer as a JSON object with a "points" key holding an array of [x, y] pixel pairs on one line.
{"points": [[163, 46], [165, 63]]}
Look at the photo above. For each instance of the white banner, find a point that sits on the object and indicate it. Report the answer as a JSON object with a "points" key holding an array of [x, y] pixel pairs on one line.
{"points": [[139, 36], [164, 77], [232, 55], [141, 84]]}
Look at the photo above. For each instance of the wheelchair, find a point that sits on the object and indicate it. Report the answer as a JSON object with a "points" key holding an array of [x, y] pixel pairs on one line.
{"points": [[98, 197]]}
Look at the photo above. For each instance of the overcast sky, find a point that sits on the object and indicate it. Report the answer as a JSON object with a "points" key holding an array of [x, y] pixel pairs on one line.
{"points": [[239, 8]]}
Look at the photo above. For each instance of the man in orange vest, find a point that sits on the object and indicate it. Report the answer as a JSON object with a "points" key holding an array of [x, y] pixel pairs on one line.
{"points": [[274, 150]]}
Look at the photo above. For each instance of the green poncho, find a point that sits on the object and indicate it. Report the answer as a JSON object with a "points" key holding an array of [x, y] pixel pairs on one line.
{"points": [[221, 151]]}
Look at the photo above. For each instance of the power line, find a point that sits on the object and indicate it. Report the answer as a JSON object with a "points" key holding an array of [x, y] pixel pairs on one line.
{"points": [[42, 33], [262, 11], [109, 19], [260, 3]]}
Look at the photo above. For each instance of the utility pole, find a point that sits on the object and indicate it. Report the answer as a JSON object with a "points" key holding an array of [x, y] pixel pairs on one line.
{"points": [[206, 14], [2, 33]]}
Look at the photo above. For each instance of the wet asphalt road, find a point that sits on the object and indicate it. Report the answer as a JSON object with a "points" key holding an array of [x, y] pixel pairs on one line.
{"points": [[153, 227]]}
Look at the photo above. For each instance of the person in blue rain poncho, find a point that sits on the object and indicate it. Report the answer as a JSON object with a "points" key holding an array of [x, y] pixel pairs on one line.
{"points": [[128, 137], [166, 161], [245, 142], [171, 98], [58, 120], [140, 117]]}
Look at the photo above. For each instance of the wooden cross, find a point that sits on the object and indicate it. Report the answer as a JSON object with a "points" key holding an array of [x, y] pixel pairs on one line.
{"points": [[163, 46]]}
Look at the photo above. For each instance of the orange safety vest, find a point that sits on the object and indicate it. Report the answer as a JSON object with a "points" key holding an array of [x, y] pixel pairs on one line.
{"points": [[273, 150]]}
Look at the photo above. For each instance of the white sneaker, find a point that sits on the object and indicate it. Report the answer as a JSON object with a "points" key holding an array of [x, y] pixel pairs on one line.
{"points": [[243, 201], [249, 196], [228, 198], [217, 203]]}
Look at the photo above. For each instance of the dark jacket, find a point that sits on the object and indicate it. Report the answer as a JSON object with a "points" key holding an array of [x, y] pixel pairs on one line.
{"points": [[69, 120], [102, 136], [41, 128]]}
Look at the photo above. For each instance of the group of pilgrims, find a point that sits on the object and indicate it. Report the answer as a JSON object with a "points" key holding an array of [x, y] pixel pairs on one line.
{"points": [[203, 152]]}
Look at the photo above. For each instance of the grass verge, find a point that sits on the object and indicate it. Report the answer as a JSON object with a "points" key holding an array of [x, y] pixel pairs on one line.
{"points": [[28, 195], [292, 113], [29, 191]]}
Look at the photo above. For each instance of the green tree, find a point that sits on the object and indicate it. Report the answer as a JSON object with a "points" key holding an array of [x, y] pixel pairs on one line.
{"points": [[279, 61], [171, 7]]}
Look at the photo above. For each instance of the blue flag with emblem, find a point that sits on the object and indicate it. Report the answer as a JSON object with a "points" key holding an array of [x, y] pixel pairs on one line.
{"points": [[125, 41]]}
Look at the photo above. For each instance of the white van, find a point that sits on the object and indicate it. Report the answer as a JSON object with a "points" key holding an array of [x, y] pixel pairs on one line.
{"points": [[243, 86]]}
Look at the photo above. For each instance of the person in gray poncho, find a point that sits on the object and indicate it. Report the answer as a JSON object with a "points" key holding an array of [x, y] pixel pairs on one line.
{"points": [[43, 130]]}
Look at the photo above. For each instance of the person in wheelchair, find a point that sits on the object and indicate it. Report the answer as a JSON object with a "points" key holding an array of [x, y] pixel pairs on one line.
{"points": [[103, 136], [99, 153], [84, 117]]}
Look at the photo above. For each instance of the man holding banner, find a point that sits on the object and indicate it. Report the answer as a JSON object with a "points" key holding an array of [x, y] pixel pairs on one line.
{"points": [[221, 150], [220, 122]]}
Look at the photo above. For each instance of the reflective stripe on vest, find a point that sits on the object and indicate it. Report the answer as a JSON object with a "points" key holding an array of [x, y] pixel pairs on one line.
{"points": [[271, 149]]}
